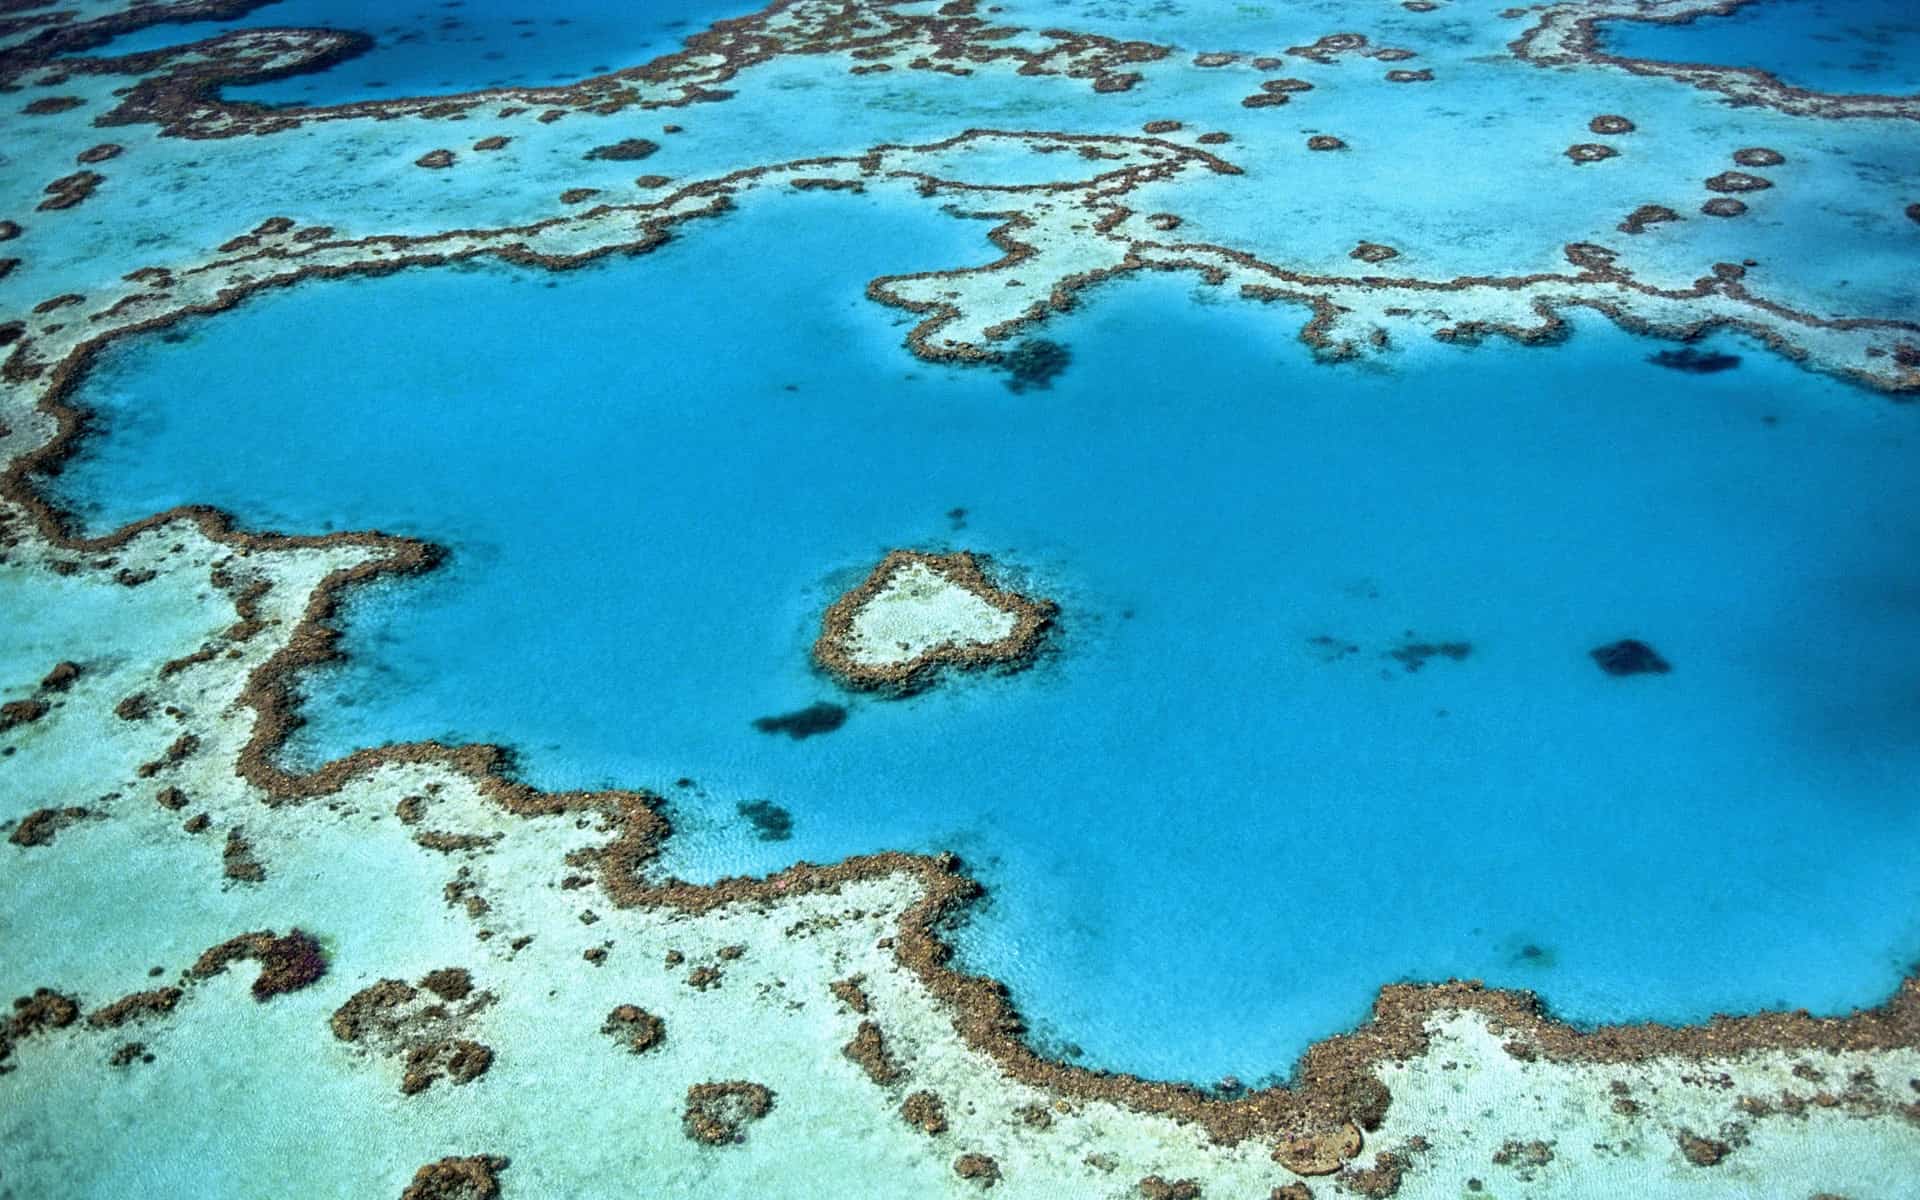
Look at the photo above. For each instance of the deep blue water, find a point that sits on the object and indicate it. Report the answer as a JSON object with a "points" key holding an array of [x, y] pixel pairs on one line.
{"points": [[1210, 834], [1825, 45], [425, 47]]}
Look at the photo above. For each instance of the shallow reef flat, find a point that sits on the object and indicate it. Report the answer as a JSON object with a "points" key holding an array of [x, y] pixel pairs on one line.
{"points": [[431, 951]]}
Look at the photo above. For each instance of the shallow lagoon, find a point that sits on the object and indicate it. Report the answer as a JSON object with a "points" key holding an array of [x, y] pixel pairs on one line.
{"points": [[430, 47], [1209, 835], [1844, 46]]}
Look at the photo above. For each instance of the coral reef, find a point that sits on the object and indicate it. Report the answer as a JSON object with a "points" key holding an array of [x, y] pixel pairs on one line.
{"points": [[635, 1028], [937, 611], [286, 964], [718, 1113], [421, 1026], [473, 1178], [629, 150], [925, 1111]]}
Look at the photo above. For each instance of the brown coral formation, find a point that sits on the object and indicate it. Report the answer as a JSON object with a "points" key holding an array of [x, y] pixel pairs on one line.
{"points": [[850, 993], [1590, 152], [1325, 141], [99, 154], [1378, 1181], [286, 964], [457, 1059], [718, 1113], [47, 106], [35, 1014], [1738, 181], [1724, 206], [421, 1026], [1323, 1151], [128, 1053], [156, 1003], [1514, 1153], [237, 861], [1610, 124], [1404, 76], [496, 142], [474, 1178], [1640, 219], [40, 827], [979, 1168], [44, 1009], [628, 150], [21, 712], [1702, 1151], [177, 752], [1373, 252], [1154, 1187], [868, 1050], [1758, 156], [61, 677], [435, 160], [70, 190], [578, 195], [635, 1028], [926, 1112], [831, 649]]}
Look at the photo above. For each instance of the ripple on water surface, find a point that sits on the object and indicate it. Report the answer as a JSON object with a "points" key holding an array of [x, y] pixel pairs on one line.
{"points": [[1323, 712]]}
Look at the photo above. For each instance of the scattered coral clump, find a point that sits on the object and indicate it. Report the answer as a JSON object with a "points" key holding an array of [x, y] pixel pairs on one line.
{"points": [[718, 1113]]}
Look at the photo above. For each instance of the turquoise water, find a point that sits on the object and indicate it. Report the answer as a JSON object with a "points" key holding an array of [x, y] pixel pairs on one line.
{"points": [[1210, 833], [427, 47], [1843, 46]]}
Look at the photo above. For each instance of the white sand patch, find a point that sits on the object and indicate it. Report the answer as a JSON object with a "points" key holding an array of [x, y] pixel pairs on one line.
{"points": [[917, 610]]}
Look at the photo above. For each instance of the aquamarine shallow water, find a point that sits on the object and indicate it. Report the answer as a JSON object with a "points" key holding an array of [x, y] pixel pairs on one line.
{"points": [[429, 47], [1208, 838], [1844, 46]]}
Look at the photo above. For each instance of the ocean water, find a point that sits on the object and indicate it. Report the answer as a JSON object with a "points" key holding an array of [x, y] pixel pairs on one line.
{"points": [[428, 47], [1236, 796], [1843, 46]]}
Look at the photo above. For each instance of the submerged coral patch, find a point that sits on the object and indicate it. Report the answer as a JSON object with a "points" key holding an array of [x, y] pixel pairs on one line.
{"points": [[1694, 361], [820, 717], [1035, 363], [771, 823], [1630, 656]]}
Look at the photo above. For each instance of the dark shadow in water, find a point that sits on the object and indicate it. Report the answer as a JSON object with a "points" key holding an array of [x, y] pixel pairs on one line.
{"points": [[771, 822], [1034, 363], [1695, 362], [1630, 656], [1414, 655], [804, 723]]}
